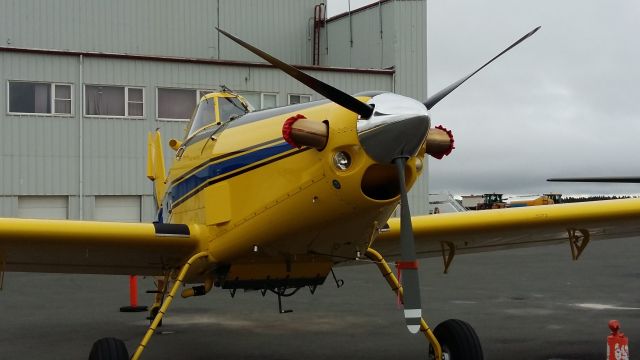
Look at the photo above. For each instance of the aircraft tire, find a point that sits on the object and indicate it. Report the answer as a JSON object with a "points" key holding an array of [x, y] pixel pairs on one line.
{"points": [[109, 349], [458, 341]]}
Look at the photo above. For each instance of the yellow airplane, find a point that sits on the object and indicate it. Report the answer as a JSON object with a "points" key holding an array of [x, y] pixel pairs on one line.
{"points": [[272, 200]]}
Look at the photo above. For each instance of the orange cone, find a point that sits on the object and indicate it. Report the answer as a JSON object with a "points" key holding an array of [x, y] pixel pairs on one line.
{"points": [[133, 297]]}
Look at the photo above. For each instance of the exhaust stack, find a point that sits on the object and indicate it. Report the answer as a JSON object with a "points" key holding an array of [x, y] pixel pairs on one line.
{"points": [[439, 142], [300, 131]]}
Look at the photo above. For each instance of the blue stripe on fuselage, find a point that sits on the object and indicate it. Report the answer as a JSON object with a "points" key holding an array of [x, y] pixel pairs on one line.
{"points": [[214, 170]]}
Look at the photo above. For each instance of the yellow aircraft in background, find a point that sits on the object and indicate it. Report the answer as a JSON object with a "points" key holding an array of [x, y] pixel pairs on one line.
{"points": [[272, 200]]}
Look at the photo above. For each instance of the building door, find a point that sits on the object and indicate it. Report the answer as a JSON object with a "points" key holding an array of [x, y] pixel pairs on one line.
{"points": [[117, 208], [43, 207]]}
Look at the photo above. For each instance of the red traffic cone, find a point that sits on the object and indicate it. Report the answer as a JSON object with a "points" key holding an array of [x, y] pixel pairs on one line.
{"points": [[133, 297]]}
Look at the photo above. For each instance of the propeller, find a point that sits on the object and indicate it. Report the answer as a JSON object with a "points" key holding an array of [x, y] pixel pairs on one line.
{"points": [[408, 266], [619, 179], [402, 118], [337, 96], [435, 98]]}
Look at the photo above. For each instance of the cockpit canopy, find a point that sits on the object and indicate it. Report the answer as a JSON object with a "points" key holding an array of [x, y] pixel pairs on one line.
{"points": [[216, 109]]}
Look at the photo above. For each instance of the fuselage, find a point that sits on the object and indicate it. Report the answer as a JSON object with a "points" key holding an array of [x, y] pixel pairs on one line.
{"points": [[288, 212]]}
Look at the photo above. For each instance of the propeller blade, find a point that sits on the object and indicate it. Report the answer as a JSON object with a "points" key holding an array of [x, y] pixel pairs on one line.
{"points": [[408, 264], [337, 96], [619, 179], [435, 98]]}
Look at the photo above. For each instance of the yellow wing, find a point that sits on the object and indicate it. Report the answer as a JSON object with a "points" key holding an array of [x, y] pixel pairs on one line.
{"points": [[488, 230], [68, 246]]}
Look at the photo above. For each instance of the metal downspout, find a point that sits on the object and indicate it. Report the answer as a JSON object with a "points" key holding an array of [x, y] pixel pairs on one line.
{"points": [[81, 139], [381, 34], [326, 34], [426, 50], [350, 31], [393, 81], [425, 87], [218, 32]]}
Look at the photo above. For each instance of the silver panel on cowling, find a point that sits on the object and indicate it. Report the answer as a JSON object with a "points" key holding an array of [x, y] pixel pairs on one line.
{"points": [[397, 128]]}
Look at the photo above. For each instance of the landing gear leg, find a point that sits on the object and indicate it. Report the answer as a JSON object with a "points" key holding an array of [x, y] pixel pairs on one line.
{"points": [[165, 305], [452, 339], [115, 349], [161, 292], [386, 272]]}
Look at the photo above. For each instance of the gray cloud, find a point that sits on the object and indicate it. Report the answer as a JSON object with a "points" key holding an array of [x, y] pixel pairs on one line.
{"points": [[564, 103], [561, 104]]}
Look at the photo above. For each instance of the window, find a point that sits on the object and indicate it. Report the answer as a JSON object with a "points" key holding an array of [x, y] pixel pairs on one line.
{"points": [[135, 102], [61, 99], [39, 98], [253, 98], [262, 100], [269, 100], [205, 115], [178, 104], [298, 99], [114, 101], [202, 93], [230, 108]]}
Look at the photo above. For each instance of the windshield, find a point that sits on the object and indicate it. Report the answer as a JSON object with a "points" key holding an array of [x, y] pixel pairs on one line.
{"points": [[230, 108], [204, 115]]}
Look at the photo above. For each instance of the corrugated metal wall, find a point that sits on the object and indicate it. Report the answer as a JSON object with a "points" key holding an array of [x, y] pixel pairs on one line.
{"points": [[159, 27], [124, 150], [363, 40], [282, 27], [39, 154], [410, 44], [8, 205], [402, 44], [410, 47]]}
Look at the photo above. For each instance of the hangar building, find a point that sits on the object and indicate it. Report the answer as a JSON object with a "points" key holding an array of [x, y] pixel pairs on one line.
{"points": [[85, 80]]}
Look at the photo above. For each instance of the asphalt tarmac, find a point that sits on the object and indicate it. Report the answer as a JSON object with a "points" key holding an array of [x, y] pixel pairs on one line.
{"points": [[525, 304]]}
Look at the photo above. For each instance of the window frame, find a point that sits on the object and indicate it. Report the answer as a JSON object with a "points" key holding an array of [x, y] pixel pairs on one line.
{"points": [[198, 97], [301, 95], [52, 100], [262, 94], [126, 102]]}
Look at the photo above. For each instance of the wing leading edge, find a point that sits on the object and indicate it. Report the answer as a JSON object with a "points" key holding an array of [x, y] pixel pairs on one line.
{"points": [[67, 246], [489, 230]]}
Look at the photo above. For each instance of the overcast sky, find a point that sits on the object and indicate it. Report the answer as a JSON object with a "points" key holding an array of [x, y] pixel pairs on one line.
{"points": [[563, 103]]}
